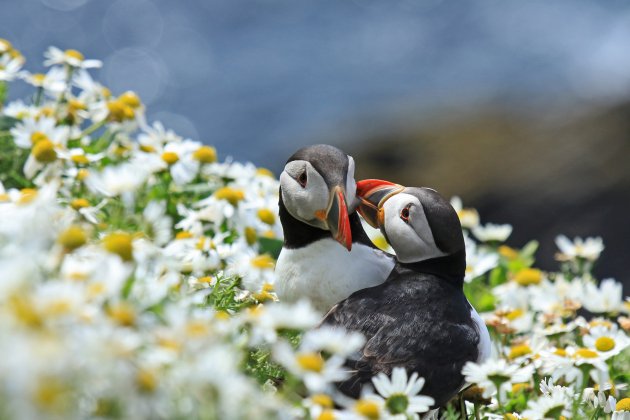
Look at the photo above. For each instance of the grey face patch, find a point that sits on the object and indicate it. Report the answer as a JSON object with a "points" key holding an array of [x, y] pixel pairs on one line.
{"points": [[413, 239], [304, 202]]}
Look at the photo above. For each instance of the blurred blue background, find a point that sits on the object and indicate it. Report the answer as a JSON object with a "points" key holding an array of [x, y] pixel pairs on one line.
{"points": [[522, 107]]}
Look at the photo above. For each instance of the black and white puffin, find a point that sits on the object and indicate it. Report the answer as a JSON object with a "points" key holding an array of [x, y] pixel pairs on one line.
{"points": [[419, 317], [316, 207]]}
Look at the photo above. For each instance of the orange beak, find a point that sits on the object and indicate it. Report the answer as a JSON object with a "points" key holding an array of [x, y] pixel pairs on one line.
{"points": [[338, 220], [372, 193]]}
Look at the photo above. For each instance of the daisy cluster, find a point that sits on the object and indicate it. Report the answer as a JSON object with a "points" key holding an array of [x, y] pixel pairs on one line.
{"points": [[137, 282], [560, 338]]}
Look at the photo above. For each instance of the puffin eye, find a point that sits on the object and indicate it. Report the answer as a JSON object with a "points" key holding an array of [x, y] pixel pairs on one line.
{"points": [[302, 179], [404, 214]]}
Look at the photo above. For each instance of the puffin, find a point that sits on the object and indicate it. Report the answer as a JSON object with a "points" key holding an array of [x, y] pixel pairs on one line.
{"points": [[419, 318], [326, 254]]}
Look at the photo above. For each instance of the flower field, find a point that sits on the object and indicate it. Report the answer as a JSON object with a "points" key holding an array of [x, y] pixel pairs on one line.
{"points": [[137, 272]]}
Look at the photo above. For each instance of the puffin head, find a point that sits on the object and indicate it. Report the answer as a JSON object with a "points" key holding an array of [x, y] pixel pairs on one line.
{"points": [[317, 187], [418, 223]]}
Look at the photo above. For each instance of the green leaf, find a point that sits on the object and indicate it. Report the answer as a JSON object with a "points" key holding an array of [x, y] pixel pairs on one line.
{"points": [[4, 92], [7, 123], [479, 295], [529, 249], [498, 276], [270, 246]]}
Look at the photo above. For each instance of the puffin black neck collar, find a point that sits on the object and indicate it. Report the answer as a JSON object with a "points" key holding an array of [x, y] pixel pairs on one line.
{"points": [[298, 234], [450, 267]]}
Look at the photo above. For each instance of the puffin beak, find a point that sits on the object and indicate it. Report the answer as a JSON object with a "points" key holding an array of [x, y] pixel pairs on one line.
{"points": [[337, 218], [372, 193]]}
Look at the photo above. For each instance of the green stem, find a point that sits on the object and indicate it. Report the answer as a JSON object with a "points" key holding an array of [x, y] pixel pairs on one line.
{"points": [[92, 128], [596, 413], [38, 96]]}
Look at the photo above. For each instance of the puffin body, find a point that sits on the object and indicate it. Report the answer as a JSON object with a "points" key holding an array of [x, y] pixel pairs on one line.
{"points": [[419, 318], [317, 203]]}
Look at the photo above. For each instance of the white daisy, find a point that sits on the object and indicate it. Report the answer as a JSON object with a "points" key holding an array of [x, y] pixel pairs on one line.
{"points": [[492, 232], [496, 374], [332, 340], [401, 394], [607, 298], [551, 405], [608, 342], [72, 58], [468, 217], [588, 249]]}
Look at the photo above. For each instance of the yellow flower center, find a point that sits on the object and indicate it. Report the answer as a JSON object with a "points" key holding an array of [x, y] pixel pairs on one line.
{"points": [[232, 195], [205, 154], [106, 93], [605, 343], [38, 78], [75, 105], [250, 235], [267, 216], [585, 353], [560, 352], [519, 350], [326, 415], [368, 409], [119, 243], [510, 416], [38, 136], [25, 310], [146, 380], [518, 387], [49, 393], [263, 262], [82, 174], [264, 172], [73, 238], [196, 329], [123, 313], [44, 151], [147, 148], [119, 111], [322, 400], [508, 252], [79, 203], [5, 45], [80, 159], [183, 235], [130, 99], [170, 157], [205, 279], [623, 405], [222, 315], [528, 276], [468, 217], [5, 197], [74, 54], [310, 361], [27, 195], [46, 111], [515, 314]]}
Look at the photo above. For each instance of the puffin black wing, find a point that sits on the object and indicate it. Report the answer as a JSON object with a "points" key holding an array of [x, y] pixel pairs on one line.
{"points": [[416, 321]]}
